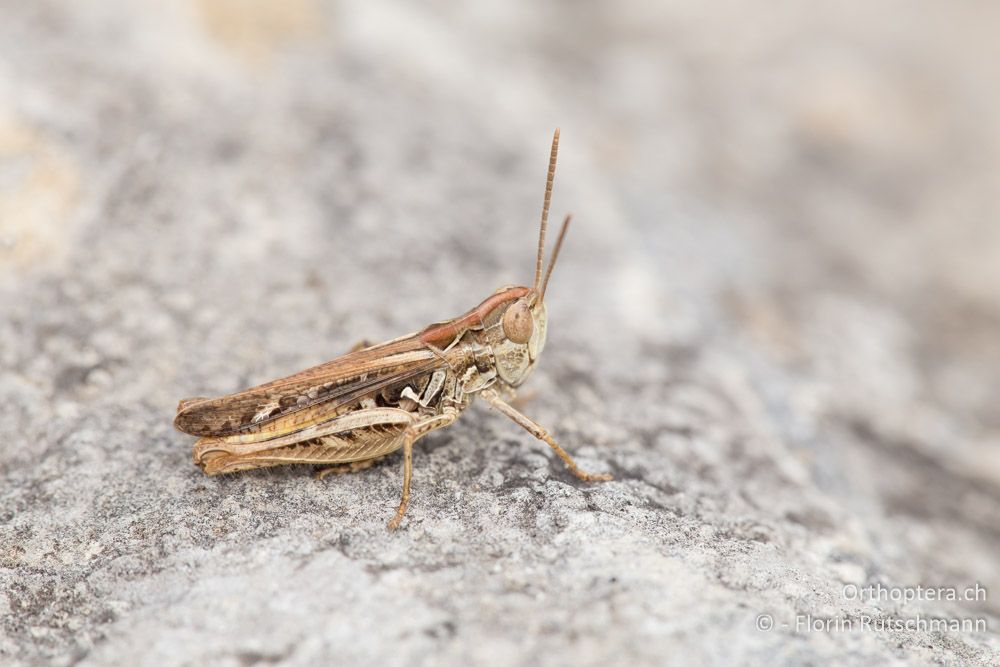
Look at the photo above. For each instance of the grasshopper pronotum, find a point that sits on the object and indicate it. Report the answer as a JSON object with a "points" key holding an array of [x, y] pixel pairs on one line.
{"points": [[362, 406]]}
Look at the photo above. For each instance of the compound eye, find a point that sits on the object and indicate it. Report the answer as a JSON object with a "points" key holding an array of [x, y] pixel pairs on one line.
{"points": [[517, 323]]}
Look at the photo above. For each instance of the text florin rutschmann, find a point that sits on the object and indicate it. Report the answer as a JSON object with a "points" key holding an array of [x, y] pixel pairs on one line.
{"points": [[809, 623]]}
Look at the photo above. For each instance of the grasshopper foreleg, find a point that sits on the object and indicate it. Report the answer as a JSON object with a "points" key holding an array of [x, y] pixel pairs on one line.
{"points": [[493, 398]]}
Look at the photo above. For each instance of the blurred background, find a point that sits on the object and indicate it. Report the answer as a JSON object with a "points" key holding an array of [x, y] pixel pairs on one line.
{"points": [[776, 318]]}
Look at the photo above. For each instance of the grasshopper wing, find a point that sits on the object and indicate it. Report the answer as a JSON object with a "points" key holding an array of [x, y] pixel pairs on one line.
{"points": [[337, 382]]}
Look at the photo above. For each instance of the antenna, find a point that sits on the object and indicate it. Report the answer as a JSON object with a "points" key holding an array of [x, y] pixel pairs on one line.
{"points": [[555, 254], [545, 208]]}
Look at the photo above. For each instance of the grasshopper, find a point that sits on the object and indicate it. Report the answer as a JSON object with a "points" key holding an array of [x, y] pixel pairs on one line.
{"points": [[349, 412]]}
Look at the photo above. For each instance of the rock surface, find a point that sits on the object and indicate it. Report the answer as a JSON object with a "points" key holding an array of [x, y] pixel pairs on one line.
{"points": [[776, 321]]}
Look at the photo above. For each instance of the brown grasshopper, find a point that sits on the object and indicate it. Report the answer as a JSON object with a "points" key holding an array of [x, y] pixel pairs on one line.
{"points": [[351, 411]]}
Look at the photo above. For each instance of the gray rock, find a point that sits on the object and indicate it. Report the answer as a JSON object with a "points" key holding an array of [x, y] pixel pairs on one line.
{"points": [[776, 321]]}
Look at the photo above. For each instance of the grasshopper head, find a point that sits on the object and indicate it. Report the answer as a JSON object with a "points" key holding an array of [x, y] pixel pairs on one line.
{"points": [[519, 337]]}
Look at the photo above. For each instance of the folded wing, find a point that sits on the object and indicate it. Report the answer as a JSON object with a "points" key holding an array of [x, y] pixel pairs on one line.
{"points": [[338, 382]]}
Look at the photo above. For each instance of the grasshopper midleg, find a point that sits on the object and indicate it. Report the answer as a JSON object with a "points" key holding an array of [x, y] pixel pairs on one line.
{"points": [[412, 434], [377, 399]]}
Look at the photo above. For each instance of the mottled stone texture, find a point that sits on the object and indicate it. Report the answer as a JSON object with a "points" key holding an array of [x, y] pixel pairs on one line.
{"points": [[776, 321]]}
